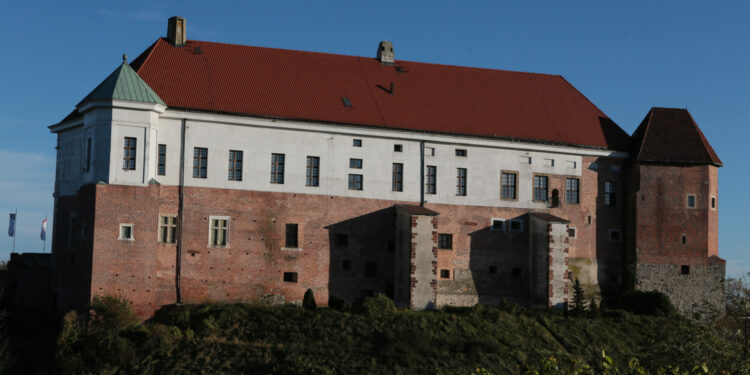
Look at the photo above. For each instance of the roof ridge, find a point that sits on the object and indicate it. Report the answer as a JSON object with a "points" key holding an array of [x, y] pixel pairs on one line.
{"points": [[645, 131], [150, 52]]}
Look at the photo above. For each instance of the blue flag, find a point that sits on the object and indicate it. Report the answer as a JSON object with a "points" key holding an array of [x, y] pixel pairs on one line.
{"points": [[12, 226]]}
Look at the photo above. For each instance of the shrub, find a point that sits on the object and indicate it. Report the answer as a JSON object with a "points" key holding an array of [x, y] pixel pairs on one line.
{"points": [[578, 297], [643, 303], [377, 305], [308, 302], [336, 302], [111, 314]]}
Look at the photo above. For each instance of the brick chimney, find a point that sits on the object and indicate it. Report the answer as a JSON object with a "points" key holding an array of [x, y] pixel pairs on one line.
{"points": [[176, 31], [385, 52]]}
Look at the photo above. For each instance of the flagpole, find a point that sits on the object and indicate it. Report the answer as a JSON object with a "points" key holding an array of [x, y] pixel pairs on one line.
{"points": [[44, 245], [15, 226]]}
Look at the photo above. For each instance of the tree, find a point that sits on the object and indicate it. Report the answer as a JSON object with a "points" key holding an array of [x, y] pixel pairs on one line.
{"points": [[579, 299], [308, 302]]}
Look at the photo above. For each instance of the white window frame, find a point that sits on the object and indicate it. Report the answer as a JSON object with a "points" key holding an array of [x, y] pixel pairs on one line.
{"points": [[492, 224], [714, 202], [211, 230], [132, 232], [575, 231], [167, 226], [687, 201]]}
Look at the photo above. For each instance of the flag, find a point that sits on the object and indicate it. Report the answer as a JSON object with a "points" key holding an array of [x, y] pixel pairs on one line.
{"points": [[43, 236], [12, 226]]}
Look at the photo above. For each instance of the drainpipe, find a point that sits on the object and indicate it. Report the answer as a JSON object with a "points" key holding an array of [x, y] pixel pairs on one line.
{"points": [[421, 173], [180, 214]]}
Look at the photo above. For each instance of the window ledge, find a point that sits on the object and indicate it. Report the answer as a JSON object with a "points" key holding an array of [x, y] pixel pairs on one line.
{"points": [[217, 246], [126, 239], [291, 248]]}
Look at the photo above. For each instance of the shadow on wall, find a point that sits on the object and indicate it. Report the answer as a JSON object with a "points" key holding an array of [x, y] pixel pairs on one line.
{"points": [[610, 224], [499, 262], [362, 255]]}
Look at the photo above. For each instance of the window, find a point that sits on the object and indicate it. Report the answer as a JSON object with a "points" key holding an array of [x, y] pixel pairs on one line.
{"points": [[290, 277], [371, 269], [200, 162], [313, 171], [390, 246], [525, 159], [161, 167], [346, 264], [516, 225], [516, 272], [168, 229], [445, 241], [691, 201], [684, 270], [540, 188], [572, 232], [508, 185], [277, 168], [570, 164], [445, 274], [549, 162], [431, 181], [342, 239], [128, 156], [219, 231], [493, 270], [355, 182], [460, 152], [498, 225], [88, 154], [571, 190], [357, 143], [235, 165], [429, 151], [614, 235], [355, 163], [291, 236], [398, 148], [461, 182], [398, 177], [683, 239], [126, 232], [713, 203], [610, 193]]}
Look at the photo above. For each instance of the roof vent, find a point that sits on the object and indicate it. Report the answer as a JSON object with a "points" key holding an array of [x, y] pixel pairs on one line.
{"points": [[176, 31], [385, 52]]}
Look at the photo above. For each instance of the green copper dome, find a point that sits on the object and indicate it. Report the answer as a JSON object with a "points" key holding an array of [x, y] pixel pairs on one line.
{"points": [[124, 84]]}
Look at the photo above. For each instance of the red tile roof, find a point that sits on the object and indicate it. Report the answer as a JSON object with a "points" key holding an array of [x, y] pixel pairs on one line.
{"points": [[670, 135], [278, 83]]}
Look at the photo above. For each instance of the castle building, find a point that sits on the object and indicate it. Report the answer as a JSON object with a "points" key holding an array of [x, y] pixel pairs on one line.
{"points": [[204, 171]]}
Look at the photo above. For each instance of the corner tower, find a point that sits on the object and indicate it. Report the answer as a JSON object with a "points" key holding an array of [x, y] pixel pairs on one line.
{"points": [[674, 246]]}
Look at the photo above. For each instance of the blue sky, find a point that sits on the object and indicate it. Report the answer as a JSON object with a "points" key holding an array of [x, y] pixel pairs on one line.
{"points": [[625, 57]]}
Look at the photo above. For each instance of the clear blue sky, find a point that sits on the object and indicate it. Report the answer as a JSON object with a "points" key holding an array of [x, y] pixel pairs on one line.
{"points": [[625, 57]]}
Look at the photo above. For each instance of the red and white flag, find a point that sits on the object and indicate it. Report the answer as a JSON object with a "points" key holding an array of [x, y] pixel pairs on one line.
{"points": [[43, 236]]}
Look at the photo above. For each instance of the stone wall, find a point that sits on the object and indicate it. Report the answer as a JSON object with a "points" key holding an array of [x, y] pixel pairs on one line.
{"points": [[699, 291]]}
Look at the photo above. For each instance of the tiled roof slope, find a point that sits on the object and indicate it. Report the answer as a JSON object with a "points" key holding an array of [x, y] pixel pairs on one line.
{"points": [[278, 83], [124, 84], [670, 135]]}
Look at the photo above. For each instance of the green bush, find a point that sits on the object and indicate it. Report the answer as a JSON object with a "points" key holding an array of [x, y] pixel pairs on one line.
{"points": [[643, 303], [308, 302], [336, 302], [377, 305]]}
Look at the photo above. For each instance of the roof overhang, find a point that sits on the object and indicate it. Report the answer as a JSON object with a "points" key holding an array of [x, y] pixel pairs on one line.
{"points": [[123, 104]]}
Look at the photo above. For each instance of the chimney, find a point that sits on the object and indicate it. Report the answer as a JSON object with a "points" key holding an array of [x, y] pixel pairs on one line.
{"points": [[385, 52], [176, 31]]}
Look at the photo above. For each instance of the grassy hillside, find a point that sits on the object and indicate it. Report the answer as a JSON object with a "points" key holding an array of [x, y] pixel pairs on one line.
{"points": [[374, 338]]}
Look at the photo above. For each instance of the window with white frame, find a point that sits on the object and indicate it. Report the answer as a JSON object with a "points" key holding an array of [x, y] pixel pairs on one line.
{"points": [[497, 225], [126, 232], [168, 228], [218, 227]]}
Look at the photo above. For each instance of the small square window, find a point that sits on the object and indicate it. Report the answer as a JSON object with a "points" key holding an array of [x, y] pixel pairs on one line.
{"points": [[516, 225], [460, 152], [371, 269], [355, 163], [445, 241], [429, 151], [290, 277], [355, 182], [493, 270], [398, 148], [346, 264], [445, 274], [498, 225], [126, 232], [615, 235], [342, 239], [516, 272], [685, 270], [357, 143], [691, 201], [572, 232]]}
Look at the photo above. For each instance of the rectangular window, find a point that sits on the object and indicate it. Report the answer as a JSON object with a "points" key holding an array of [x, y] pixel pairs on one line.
{"points": [[516, 225], [398, 177], [610, 193], [200, 162], [571, 190], [498, 225], [492, 270], [313, 171], [614, 235], [357, 143], [290, 277], [346, 264], [219, 227], [445, 274], [691, 201], [398, 148], [167, 229], [371, 269], [508, 185], [291, 236], [516, 272], [431, 180], [460, 152], [88, 154], [128, 156], [540, 188], [161, 167], [355, 182], [572, 232], [277, 168], [126, 232], [235, 165], [713, 203], [342, 239], [684, 270], [355, 163], [445, 241], [461, 182]]}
